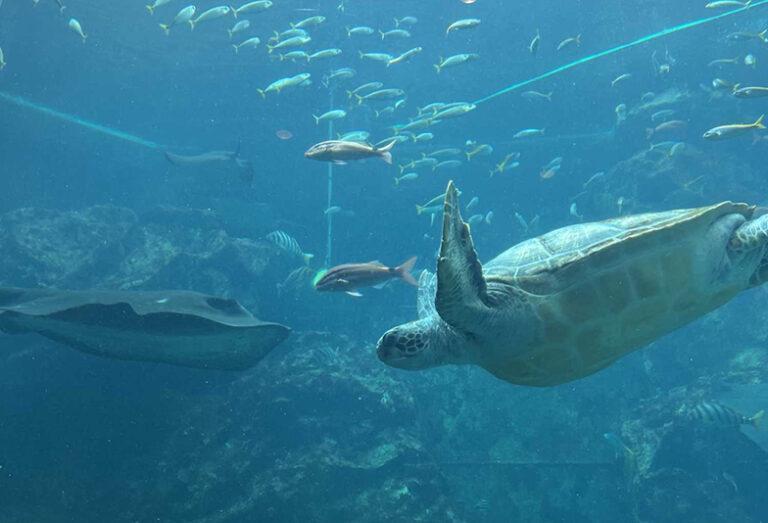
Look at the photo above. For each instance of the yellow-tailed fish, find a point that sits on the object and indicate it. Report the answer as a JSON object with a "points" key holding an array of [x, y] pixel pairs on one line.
{"points": [[723, 132]]}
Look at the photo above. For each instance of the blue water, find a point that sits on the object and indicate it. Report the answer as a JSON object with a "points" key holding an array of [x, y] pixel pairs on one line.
{"points": [[87, 124]]}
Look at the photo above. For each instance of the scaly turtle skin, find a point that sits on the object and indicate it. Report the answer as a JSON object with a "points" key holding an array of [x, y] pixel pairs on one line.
{"points": [[564, 305]]}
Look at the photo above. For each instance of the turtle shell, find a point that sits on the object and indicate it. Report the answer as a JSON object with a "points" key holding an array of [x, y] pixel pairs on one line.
{"points": [[603, 289]]}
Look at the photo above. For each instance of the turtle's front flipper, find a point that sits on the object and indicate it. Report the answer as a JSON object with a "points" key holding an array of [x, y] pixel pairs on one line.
{"points": [[461, 288], [751, 236]]}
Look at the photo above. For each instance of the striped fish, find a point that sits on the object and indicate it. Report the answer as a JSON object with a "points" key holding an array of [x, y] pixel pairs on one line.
{"points": [[719, 415], [288, 243]]}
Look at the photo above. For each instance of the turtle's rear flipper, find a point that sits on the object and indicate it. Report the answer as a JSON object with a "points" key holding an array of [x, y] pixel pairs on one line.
{"points": [[461, 288], [751, 236]]}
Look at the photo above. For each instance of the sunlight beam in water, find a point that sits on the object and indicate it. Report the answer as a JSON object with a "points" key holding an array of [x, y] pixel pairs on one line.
{"points": [[93, 126], [618, 48]]}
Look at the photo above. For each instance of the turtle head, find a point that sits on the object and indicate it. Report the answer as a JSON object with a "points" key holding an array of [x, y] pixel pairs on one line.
{"points": [[420, 345]]}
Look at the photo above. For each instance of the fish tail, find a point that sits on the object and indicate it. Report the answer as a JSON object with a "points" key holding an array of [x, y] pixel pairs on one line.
{"points": [[762, 34], [150, 9], [191, 25], [262, 93], [359, 99], [85, 37], [270, 48], [382, 34], [397, 22], [578, 40], [349, 94], [237, 49], [437, 68], [317, 119], [648, 133], [307, 258], [361, 54], [419, 210], [548, 96], [166, 29], [397, 181], [386, 155], [469, 157], [404, 271], [759, 123], [234, 11], [230, 33], [349, 33], [492, 171]]}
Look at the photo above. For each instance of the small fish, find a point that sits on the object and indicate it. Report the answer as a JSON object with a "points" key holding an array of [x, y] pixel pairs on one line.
{"points": [[406, 177], [295, 41], [488, 217], [508, 163], [721, 416], [359, 30], [395, 33], [751, 92], [183, 16], [733, 130], [422, 137], [447, 164], [406, 20], [251, 43], [350, 277], [472, 203], [405, 56], [475, 219], [554, 162], [574, 211], [664, 114], [455, 60], [285, 35], [288, 243], [294, 56], [355, 136], [400, 138], [425, 162], [719, 83], [431, 108], [665, 127], [570, 41], [155, 5], [335, 114], [344, 73], [466, 23], [376, 57], [529, 133], [421, 123], [75, 26], [744, 36], [325, 53], [381, 94], [309, 22], [479, 150], [340, 152], [535, 95], [260, 5], [454, 111], [533, 47], [750, 60], [719, 4], [621, 113], [549, 172], [278, 85], [370, 86], [723, 61], [211, 14], [621, 78], [240, 26], [451, 151]]}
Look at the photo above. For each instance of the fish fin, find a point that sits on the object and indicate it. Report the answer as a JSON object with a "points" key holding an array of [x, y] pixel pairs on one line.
{"points": [[437, 68], [380, 285], [317, 119], [419, 210], [151, 9], [233, 10], [191, 25], [759, 123], [354, 294], [404, 271], [339, 162], [270, 48], [166, 29], [382, 34], [262, 93], [307, 258], [757, 419], [387, 157]]}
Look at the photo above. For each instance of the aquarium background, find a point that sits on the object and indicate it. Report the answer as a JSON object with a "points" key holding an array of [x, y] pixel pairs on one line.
{"points": [[321, 430]]}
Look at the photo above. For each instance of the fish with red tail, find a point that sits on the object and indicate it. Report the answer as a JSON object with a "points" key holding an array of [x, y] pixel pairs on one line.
{"points": [[350, 277], [341, 151]]}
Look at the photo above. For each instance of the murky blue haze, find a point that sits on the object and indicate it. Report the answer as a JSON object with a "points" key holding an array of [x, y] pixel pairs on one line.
{"points": [[321, 430]]}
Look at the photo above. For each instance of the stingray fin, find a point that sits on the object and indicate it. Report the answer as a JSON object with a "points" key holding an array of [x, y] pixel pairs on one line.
{"points": [[425, 303], [461, 287]]}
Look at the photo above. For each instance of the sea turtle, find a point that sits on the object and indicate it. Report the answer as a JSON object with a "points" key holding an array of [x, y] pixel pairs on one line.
{"points": [[566, 304]]}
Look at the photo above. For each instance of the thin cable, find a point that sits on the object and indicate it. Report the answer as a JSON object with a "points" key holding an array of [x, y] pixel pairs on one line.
{"points": [[618, 48], [329, 215], [93, 126]]}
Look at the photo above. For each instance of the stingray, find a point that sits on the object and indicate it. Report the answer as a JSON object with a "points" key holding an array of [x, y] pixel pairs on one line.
{"points": [[213, 157], [174, 327]]}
